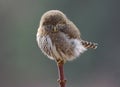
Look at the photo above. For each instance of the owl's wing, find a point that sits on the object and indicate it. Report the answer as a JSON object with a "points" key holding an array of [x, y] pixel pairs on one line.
{"points": [[70, 29]]}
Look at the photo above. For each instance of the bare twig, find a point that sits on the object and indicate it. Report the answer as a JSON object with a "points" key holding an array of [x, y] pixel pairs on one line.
{"points": [[61, 79]]}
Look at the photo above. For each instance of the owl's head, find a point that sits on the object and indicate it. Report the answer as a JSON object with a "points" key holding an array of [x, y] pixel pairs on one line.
{"points": [[53, 17]]}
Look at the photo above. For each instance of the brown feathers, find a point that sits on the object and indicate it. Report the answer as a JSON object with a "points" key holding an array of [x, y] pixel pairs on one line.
{"points": [[87, 44], [59, 38]]}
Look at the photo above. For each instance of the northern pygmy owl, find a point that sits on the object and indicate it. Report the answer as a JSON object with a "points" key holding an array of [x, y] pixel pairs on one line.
{"points": [[59, 38]]}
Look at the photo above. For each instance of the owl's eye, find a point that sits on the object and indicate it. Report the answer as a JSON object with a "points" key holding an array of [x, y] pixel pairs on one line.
{"points": [[60, 26], [48, 27]]}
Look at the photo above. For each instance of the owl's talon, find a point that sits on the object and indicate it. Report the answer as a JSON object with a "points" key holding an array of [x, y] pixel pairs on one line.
{"points": [[60, 62]]}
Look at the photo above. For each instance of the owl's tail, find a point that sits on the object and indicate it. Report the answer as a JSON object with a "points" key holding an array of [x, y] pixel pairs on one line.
{"points": [[87, 44]]}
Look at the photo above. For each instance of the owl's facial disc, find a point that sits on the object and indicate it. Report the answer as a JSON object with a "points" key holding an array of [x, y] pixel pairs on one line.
{"points": [[51, 28], [52, 19]]}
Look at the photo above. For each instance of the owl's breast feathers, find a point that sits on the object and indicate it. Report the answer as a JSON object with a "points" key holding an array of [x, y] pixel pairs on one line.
{"points": [[64, 44]]}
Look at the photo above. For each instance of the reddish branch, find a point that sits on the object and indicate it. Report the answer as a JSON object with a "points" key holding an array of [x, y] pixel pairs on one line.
{"points": [[61, 79]]}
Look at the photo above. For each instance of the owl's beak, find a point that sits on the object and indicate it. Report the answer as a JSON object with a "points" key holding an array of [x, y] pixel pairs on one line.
{"points": [[55, 29]]}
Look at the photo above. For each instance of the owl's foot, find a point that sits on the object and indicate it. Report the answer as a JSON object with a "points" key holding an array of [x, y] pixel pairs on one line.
{"points": [[60, 62]]}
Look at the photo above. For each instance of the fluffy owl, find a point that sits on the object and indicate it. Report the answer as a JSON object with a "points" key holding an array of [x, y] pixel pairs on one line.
{"points": [[59, 38]]}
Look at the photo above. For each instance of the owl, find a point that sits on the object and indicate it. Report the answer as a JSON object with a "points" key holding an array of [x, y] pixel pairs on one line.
{"points": [[59, 38]]}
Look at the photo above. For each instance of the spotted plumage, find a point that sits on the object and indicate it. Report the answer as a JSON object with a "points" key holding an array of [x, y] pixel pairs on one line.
{"points": [[59, 38]]}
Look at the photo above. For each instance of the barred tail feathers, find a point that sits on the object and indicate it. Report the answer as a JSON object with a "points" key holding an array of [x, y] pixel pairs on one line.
{"points": [[87, 44]]}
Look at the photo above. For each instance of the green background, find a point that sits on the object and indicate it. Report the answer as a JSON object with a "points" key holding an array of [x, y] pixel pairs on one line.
{"points": [[22, 64]]}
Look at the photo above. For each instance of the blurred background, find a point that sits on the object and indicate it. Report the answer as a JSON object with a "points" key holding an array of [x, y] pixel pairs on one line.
{"points": [[23, 65]]}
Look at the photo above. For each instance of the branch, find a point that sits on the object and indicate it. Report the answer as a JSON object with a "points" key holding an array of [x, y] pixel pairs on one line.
{"points": [[61, 80]]}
